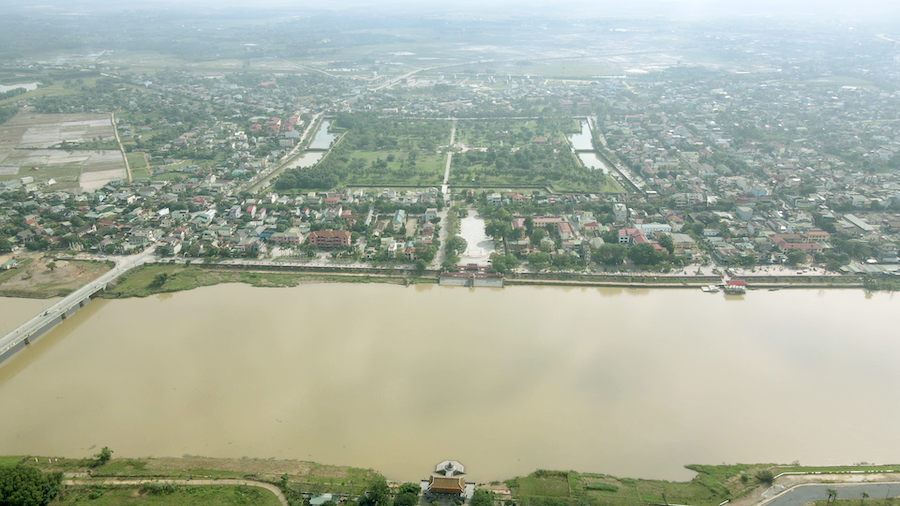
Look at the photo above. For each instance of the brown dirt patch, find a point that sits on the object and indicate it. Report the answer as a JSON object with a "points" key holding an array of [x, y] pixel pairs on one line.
{"points": [[37, 280]]}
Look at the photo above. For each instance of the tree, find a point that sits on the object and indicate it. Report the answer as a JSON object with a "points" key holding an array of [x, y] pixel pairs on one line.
{"points": [[483, 498], [796, 257], [51, 266], [667, 242], [832, 495], [503, 263], [5, 245], [538, 260], [406, 499], [644, 254], [159, 280], [27, 486], [865, 495], [610, 254], [765, 476], [420, 266], [103, 457], [457, 244], [412, 488], [377, 494]]}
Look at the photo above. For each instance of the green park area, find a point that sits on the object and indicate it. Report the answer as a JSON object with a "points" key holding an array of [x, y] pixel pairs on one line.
{"points": [[509, 153], [377, 151], [151, 494], [498, 153], [165, 278]]}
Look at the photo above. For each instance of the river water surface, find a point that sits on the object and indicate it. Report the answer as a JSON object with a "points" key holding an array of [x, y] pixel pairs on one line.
{"points": [[626, 382]]}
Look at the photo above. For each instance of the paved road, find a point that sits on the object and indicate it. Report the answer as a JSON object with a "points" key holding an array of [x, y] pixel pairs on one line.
{"points": [[445, 188], [261, 181], [37, 322], [245, 483], [802, 494]]}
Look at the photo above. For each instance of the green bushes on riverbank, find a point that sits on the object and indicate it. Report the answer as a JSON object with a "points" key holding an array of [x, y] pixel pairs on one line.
{"points": [[711, 486], [165, 278], [159, 495]]}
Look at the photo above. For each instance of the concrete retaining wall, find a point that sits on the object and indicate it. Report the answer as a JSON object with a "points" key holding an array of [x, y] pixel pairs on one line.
{"points": [[454, 281]]}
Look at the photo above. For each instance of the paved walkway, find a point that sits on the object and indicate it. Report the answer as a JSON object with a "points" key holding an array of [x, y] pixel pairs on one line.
{"points": [[136, 483]]}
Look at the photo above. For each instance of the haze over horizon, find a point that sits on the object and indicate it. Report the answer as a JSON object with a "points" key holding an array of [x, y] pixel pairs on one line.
{"points": [[677, 9]]}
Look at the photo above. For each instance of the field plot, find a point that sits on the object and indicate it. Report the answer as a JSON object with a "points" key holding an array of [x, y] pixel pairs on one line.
{"points": [[505, 153], [29, 147]]}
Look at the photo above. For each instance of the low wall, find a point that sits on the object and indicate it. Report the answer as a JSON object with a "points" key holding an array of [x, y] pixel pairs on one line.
{"points": [[454, 281], [488, 282]]}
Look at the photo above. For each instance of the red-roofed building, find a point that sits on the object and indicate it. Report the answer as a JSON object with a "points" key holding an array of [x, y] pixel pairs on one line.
{"points": [[329, 238], [632, 236]]}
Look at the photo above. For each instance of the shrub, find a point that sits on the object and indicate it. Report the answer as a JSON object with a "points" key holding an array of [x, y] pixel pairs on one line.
{"points": [[765, 477], [602, 486]]}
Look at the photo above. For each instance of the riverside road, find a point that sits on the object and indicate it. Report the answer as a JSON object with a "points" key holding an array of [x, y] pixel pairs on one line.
{"points": [[802, 494]]}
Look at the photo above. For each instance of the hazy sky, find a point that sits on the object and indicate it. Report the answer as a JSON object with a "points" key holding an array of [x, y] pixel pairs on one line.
{"points": [[578, 8]]}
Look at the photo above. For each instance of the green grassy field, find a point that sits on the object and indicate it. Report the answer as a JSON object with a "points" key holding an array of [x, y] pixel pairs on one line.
{"points": [[167, 495], [137, 160], [138, 283], [509, 153], [48, 91], [303, 476], [711, 486], [10, 460]]}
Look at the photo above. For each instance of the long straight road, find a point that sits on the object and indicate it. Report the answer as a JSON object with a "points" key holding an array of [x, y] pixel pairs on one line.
{"points": [[445, 188], [263, 178]]}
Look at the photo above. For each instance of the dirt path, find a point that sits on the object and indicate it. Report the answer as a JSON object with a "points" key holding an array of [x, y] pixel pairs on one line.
{"points": [[193, 483], [112, 117]]}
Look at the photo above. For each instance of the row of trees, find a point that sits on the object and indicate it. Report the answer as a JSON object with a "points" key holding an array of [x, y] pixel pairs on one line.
{"points": [[27, 486]]}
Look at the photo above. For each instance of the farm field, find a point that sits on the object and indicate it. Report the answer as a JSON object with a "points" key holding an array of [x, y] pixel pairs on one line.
{"points": [[29, 146]]}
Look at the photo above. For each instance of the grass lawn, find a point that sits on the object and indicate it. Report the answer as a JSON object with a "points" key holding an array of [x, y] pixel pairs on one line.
{"points": [[140, 173], [137, 283], [55, 89], [544, 484], [10, 460], [428, 171], [509, 153], [162, 495], [137, 160], [711, 486], [304, 476]]}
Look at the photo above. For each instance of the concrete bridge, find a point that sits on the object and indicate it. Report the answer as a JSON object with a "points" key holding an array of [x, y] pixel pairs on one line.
{"points": [[28, 332]]}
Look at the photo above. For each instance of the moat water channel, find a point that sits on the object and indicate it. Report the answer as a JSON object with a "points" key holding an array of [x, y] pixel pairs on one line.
{"points": [[583, 144], [619, 381]]}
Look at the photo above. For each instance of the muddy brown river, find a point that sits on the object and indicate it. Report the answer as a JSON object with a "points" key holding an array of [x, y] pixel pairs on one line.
{"points": [[618, 381]]}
